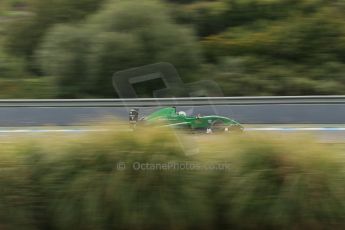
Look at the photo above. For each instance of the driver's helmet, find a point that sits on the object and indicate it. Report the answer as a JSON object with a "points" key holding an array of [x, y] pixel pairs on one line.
{"points": [[182, 113]]}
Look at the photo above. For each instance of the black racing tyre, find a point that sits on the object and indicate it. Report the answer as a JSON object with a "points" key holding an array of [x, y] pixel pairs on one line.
{"points": [[218, 126]]}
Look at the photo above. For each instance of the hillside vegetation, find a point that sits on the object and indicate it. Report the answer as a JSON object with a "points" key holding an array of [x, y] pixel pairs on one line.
{"points": [[248, 47]]}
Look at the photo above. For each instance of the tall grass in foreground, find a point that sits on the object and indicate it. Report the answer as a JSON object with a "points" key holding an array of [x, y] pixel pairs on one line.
{"points": [[278, 184], [145, 180]]}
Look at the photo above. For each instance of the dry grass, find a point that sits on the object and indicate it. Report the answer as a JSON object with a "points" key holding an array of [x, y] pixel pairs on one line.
{"points": [[75, 182]]}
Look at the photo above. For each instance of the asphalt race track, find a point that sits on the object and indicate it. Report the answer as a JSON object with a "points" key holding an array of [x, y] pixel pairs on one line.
{"points": [[247, 114], [246, 110]]}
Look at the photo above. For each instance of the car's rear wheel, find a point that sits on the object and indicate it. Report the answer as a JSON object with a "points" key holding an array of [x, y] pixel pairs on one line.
{"points": [[218, 126]]}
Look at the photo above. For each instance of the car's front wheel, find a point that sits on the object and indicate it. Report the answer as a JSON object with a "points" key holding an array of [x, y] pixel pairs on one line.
{"points": [[235, 128]]}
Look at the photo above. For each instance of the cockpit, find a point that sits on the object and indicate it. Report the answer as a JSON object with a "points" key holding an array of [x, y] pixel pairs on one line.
{"points": [[182, 113]]}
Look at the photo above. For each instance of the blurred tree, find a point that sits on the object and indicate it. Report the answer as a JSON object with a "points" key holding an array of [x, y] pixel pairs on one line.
{"points": [[25, 33], [215, 16], [122, 35], [65, 48], [300, 55], [250, 47], [10, 67]]}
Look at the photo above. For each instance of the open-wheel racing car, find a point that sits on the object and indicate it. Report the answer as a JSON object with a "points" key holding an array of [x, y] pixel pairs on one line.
{"points": [[170, 117]]}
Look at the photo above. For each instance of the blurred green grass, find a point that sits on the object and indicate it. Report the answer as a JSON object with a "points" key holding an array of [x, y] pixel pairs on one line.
{"points": [[63, 182]]}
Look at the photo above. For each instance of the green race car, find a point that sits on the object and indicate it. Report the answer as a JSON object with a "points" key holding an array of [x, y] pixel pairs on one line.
{"points": [[170, 117]]}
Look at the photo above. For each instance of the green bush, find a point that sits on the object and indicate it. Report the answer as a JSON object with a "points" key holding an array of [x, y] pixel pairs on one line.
{"points": [[120, 36], [43, 15], [11, 67], [43, 88]]}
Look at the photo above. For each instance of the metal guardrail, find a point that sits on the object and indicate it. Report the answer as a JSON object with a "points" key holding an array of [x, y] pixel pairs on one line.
{"points": [[190, 101]]}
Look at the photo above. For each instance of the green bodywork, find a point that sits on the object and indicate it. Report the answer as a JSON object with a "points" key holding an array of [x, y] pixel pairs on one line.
{"points": [[170, 117]]}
